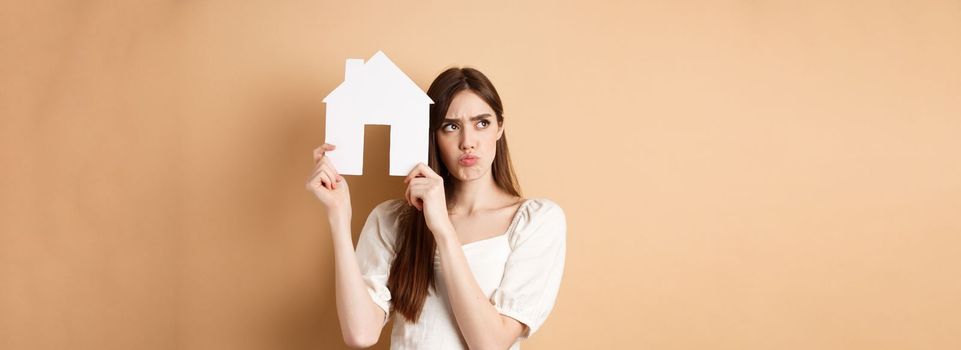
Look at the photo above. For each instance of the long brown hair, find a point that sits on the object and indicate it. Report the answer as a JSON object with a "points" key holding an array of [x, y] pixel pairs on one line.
{"points": [[412, 270]]}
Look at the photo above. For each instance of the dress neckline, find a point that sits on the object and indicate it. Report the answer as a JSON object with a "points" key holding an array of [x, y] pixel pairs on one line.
{"points": [[507, 232]]}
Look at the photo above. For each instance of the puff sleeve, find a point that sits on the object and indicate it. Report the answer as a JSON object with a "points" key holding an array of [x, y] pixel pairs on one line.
{"points": [[532, 273], [375, 252]]}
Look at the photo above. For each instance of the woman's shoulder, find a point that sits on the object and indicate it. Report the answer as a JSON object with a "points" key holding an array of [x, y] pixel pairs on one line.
{"points": [[539, 207], [383, 222], [390, 206], [389, 210], [537, 211], [540, 219]]}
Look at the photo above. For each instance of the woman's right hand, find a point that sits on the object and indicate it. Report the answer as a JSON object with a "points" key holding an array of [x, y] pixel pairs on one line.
{"points": [[328, 185]]}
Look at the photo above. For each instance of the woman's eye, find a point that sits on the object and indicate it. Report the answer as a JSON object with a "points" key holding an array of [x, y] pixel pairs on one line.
{"points": [[449, 127], [484, 123]]}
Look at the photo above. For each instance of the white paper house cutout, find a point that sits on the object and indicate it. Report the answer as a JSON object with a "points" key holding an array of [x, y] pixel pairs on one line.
{"points": [[377, 92]]}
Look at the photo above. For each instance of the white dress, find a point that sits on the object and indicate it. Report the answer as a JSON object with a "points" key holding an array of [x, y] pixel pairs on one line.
{"points": [[520, 272]]}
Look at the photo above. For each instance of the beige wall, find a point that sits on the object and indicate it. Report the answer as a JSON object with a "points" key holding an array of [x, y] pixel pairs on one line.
{"points": [[736, 174]]}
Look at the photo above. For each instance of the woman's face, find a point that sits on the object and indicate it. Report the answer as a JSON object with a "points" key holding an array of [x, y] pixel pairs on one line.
{"points": [[468, 137]]}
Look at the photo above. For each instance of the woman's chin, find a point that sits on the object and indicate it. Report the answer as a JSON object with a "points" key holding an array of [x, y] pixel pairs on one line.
{"points": [[468, 174]]}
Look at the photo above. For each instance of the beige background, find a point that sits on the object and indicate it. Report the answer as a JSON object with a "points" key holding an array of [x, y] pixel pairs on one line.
{"points": [[736, 174]]}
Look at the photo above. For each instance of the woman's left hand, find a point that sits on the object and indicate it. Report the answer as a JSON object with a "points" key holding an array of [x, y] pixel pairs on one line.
{"points": [[425, 191]]}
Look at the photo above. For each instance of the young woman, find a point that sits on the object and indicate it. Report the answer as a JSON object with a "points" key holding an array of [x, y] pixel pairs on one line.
{"points": [[462, 260]]}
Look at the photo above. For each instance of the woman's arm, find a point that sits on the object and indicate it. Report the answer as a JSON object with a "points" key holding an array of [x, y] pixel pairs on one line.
{"points": [[481, 324], [361, 320], [479, 321]]}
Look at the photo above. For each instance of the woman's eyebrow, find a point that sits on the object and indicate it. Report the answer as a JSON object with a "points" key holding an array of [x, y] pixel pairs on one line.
{"points": [[476, 117]]}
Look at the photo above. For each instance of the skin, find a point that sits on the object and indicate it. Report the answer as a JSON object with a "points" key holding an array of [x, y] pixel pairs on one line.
{"points": [[476, 209]]}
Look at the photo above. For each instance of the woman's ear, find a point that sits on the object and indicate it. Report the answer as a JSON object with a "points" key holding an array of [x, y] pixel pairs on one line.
{"points": [[500, 130]]}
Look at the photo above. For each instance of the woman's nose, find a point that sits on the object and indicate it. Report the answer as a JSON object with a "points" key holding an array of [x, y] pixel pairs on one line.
{"points": [[467, 140]]}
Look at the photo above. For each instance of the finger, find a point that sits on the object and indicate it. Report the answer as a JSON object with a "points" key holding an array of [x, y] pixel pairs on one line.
{"points": [[410, 175], [418, 171], [412, 196], [318, 162], [420, 186], [415, 200], [324, 165], [313, 175], [314, 180], [417, 196], [329, 172], [428, 172], [315, 183], [322, 174], [414, 182], [424, 169], [320, 151], [330, 179], [332, 169], [318, 168], [334, 174], [325, 180]]}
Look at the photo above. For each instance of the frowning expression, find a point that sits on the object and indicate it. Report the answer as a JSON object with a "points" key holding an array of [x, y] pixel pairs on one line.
{"points": [[468, 137]]}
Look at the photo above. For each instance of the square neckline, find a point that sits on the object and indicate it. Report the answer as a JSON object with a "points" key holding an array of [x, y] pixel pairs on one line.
{"points": [[510, 227]]}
